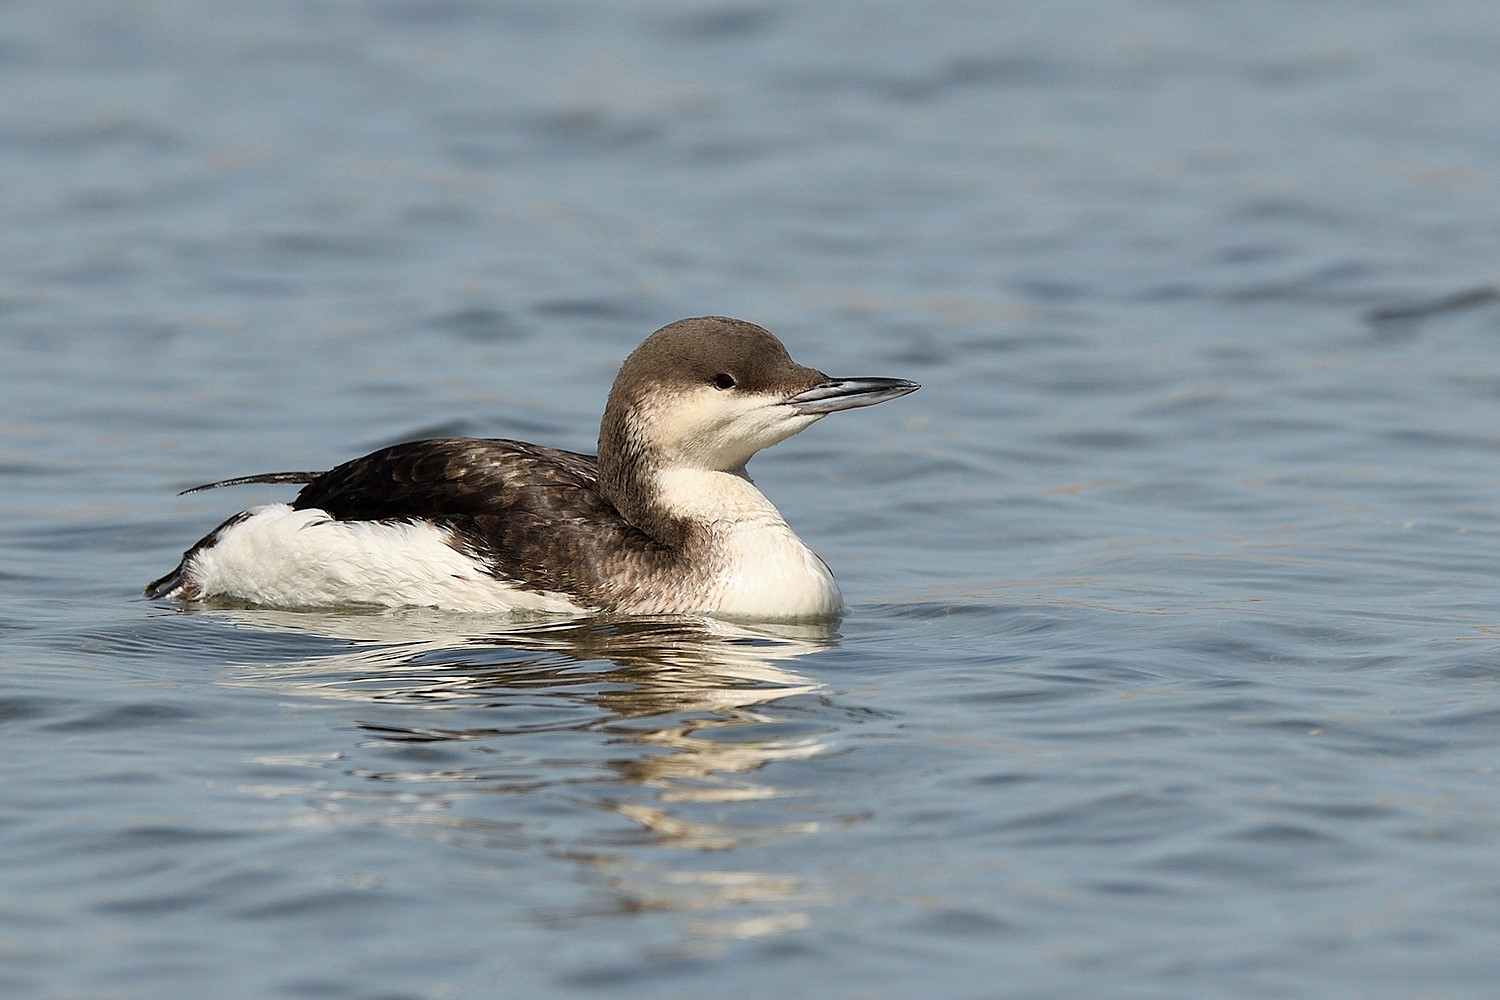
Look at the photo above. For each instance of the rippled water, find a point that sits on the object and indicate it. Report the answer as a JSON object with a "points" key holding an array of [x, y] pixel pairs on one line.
{"points": [[1170, 667]]}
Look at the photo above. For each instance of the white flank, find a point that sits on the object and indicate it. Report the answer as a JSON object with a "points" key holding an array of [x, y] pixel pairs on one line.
{"points": [[762, 569], [303, 558]]}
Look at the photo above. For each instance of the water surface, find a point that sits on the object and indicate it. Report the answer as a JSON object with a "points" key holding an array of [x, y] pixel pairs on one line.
{"points": [[1170, 662]]}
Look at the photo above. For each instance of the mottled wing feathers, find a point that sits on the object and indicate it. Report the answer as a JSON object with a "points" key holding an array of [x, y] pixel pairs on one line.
{"points": [[534, 515], [445, 476]]}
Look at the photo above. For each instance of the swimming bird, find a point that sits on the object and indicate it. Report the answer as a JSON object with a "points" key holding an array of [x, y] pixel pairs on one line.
{"points": [[664, 520]]}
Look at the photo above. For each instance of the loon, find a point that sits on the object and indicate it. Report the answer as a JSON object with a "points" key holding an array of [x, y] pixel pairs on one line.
{"points": [[664, 520]]}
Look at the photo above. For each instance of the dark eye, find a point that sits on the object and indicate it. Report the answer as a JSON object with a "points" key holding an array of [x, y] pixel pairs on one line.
{"points": [[723, 380]]}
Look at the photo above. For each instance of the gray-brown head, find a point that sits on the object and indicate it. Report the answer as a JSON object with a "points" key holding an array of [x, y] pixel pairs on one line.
{"points": [[710, 392]]}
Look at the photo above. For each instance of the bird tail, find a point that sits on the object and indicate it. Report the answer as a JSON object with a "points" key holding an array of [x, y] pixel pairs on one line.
{"points": [[264, 477]]}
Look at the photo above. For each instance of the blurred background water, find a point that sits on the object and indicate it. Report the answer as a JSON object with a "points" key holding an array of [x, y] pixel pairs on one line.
{"points": [[1170, 667]]}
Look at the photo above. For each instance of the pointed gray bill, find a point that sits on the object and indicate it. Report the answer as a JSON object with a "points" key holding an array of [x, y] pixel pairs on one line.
{"points": [[848, 393]]}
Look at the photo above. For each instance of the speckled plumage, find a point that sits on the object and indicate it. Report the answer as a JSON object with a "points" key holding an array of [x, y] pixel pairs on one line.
{"points": [[533, 516]]}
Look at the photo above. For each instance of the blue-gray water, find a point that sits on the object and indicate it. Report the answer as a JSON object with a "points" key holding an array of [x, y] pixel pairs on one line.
{"points": [[1170, 667]]}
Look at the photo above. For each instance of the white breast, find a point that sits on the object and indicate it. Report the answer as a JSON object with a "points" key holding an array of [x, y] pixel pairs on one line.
{"points": [[761, 568]]}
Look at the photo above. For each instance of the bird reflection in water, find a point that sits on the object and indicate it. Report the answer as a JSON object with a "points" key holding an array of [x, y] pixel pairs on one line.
{"points": [[667, 723]]}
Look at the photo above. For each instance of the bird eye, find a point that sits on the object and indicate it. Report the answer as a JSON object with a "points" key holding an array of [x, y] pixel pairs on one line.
{"points": [[723, 380]]}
